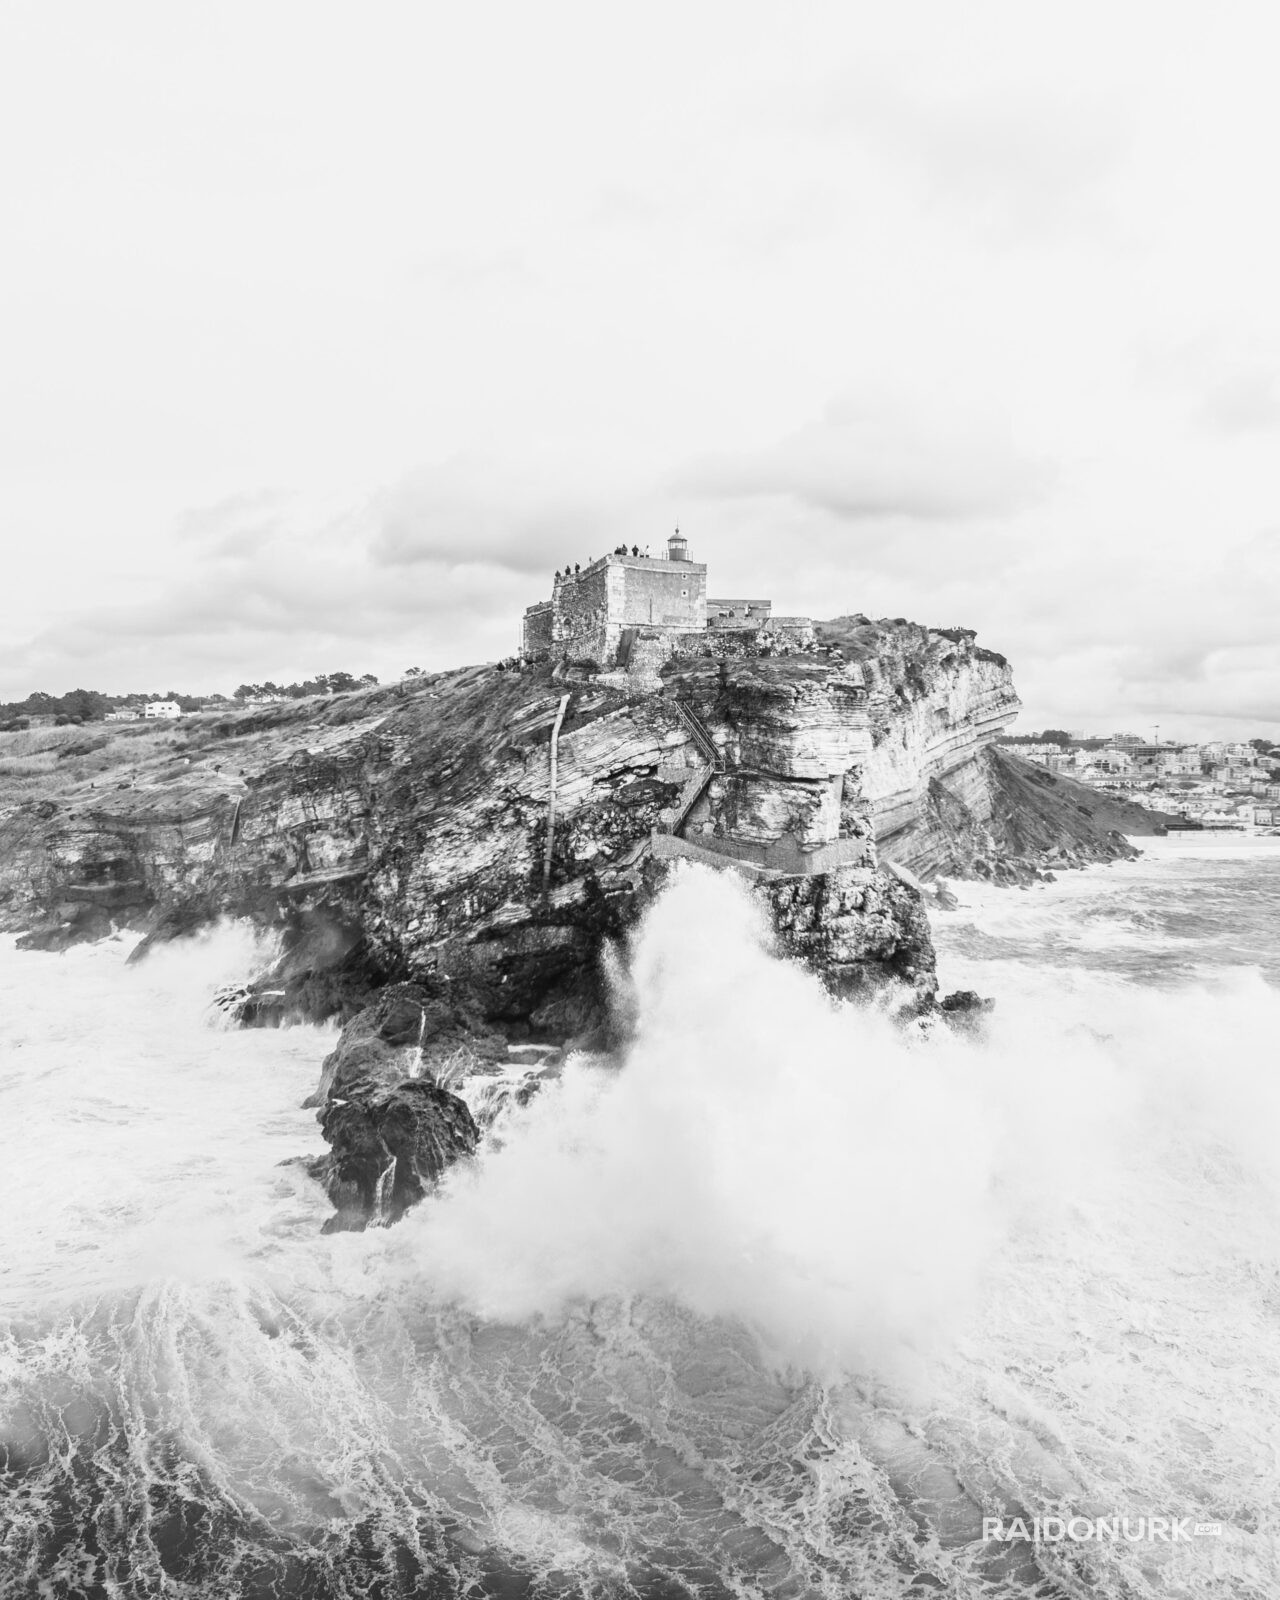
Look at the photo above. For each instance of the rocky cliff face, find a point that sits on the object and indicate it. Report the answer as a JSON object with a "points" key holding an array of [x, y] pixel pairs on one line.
{"points": [[405, 833], [943, 797]]}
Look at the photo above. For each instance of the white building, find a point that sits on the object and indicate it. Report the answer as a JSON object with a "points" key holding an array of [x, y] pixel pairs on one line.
{"points": [[1043, 755], [162, 708], [1243, 773], [1182, 763]]}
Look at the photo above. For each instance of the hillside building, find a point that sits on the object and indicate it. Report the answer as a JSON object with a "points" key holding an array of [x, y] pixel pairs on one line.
{"points": [[590, 610], [162, 709], [630, 611]]}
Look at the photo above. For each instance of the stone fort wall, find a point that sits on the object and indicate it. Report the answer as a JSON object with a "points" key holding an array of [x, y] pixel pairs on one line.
{"points": [[537, 631], [738, 613], [589, 610], [580, 626], [658, 594], [781, 634], [593, 613]]}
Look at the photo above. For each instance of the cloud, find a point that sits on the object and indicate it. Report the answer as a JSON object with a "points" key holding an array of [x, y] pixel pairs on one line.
{"points": [[1187, 640], [1243, 401], [1005, 158], [234, 526], [271, 585], [876, 458], [1233, 379], [436, 567], [459, 270], [525, 518]]}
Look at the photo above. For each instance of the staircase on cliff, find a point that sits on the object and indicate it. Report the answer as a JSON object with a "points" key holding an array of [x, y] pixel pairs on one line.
{"points": [[713, 762]]}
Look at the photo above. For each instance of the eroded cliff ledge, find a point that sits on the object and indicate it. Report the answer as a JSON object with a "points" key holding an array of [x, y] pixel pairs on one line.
{"points": [[944, 799], [402, 833]]}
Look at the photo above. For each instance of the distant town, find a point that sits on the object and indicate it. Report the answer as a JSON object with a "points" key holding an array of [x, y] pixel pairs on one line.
{"points": [[1220, 784]]}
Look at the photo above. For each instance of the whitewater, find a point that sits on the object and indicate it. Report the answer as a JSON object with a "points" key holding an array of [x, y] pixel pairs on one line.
{"points": [[789, 1301]]}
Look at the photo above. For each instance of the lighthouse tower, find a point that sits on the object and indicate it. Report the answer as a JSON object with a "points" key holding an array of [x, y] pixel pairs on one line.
{"points": [[677, 547]]}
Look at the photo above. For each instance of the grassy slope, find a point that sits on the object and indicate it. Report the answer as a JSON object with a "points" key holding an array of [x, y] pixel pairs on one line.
{"points": [[215, 748], [1032, 795]]}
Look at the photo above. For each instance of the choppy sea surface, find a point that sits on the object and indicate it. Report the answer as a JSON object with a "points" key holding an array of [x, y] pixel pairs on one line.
{"points": [[786, 1305]]}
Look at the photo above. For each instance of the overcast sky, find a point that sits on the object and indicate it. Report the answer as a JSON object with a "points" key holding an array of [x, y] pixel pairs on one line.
{"points": [[328, 332]]}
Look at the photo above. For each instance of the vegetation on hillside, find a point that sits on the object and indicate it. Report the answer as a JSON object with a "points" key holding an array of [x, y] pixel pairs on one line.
{"points": [[82, 762], [91, 705]]}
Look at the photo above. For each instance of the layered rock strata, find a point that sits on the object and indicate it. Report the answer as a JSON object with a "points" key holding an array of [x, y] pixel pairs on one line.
{"points": [[944, 798], [403, 833]]}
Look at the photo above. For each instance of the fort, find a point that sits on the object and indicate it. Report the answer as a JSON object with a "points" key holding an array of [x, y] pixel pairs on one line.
{"points": [[627, 613], [761, 782]]}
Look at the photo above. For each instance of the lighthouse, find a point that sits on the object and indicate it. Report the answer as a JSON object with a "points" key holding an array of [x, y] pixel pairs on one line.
{"points": [[677, 547]]}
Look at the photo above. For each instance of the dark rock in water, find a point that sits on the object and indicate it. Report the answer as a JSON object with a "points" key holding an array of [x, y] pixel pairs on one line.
{"points": [[391, 1126], [326, 968], [389, 1147], [73, 924], [407, 1030], [182, 921], [965, 1009], [358, 1066], [860, 937]]}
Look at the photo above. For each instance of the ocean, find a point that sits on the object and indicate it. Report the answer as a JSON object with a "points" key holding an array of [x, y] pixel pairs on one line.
{"points": [[792, 1303]]}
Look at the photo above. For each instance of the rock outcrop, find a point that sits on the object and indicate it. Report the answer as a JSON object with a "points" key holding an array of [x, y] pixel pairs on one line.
{"points": [[391, 1124], [406, 1032], [864, 934], [389, 1147], [406, 833]]}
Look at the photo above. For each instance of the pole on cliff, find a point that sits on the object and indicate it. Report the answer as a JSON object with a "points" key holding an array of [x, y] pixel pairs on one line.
{"points": [[551, 798]]}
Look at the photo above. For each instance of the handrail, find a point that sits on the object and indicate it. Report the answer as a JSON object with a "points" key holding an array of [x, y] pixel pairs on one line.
{"points": [[699, 777], [551, 798], [705, 743]]}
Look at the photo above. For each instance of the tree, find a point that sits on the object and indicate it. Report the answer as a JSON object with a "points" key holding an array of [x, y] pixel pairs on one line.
{"points": [[413, 672], [87, 704], [368, 681], [340, 682], [1055, 736]]}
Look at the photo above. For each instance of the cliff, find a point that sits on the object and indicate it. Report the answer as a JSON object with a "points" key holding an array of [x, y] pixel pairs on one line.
{"points": [[403, 833], [944, 798]]}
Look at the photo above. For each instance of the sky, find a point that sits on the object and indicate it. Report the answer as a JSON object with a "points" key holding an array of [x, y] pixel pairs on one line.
{"points": [[328, 332]]}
